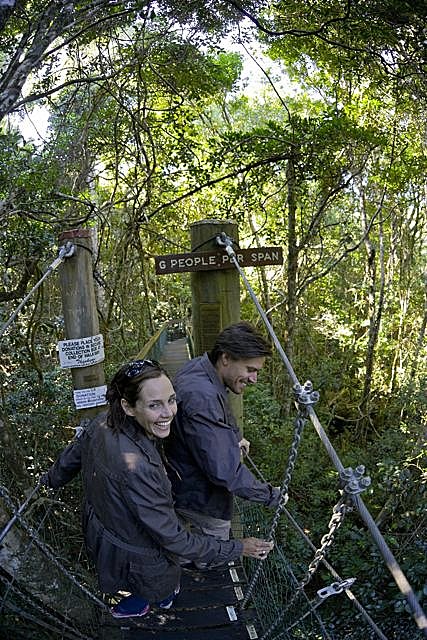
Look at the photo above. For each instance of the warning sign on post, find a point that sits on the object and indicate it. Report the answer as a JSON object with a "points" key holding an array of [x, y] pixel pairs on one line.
{"points": [[81, 352], [93, 397]]}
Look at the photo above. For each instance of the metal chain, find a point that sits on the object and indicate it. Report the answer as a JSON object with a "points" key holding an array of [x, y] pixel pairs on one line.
{"points": [[304, 397], [351, 482], [419, 616], [338, 513], [355, 602]]}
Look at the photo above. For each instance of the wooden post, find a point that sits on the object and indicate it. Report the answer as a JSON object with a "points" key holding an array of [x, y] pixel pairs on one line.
{"points": [[79, 308], [215, 294]]}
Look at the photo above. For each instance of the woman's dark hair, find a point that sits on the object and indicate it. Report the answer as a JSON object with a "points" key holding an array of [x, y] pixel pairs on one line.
{"points": [[126, 384], [240, 341]]}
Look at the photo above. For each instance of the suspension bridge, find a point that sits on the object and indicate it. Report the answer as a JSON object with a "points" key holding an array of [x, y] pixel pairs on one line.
{"points": [[48, 590]]}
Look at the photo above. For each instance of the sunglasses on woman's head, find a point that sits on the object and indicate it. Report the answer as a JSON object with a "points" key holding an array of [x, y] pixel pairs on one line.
{"points": [[136, 367]]}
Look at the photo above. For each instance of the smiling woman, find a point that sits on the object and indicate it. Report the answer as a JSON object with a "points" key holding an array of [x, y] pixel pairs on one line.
{"points": [[132, 533], [154, 408]]}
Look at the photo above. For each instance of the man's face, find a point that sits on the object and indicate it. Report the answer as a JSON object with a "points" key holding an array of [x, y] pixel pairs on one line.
{"points": [[237, 374]]}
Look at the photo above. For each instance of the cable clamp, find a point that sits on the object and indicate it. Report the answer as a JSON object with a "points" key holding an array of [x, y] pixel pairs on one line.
{"points": [[305, 395], [225, 242], [354, 482], [67, 250], [335, 588], [79, 430]]}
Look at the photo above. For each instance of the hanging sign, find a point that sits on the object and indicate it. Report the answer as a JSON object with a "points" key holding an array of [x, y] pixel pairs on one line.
{"points": [[212, 260], [93, 397], [81, 352]]}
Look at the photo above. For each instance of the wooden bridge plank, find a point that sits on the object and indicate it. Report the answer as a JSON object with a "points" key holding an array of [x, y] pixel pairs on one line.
{"points": [[207, 608], [175, 354], [215, 596], [198, 579], [204, 617], [237, 631], [202, 624]]}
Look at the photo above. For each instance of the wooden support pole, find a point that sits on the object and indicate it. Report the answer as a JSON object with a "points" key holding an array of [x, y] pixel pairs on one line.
{"points": [[79, 309], [215, 294]]}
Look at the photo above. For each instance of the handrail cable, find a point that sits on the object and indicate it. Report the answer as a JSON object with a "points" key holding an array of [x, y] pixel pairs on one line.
{"points": [[34, 539], [399, 577], [45, 549], [41, 623], [66, 251], [48, 553], [338, 513], [330, 568], [333, 589], [19, 511], [65, 628], [312, 609]]}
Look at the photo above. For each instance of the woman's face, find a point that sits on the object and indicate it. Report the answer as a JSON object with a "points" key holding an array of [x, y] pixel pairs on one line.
{"points": [[155, 406]]}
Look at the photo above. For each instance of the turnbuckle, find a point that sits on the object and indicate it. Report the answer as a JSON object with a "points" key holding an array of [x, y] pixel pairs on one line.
{"points": [[335, 588]]}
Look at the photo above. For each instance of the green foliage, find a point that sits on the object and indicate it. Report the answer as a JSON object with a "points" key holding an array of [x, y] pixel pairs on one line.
{"points": [[148, 134], [370, 41], [37, 420], [398, 485]]}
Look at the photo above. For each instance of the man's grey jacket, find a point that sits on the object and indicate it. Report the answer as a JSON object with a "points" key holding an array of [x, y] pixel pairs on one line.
{"points": [[203, 450]]}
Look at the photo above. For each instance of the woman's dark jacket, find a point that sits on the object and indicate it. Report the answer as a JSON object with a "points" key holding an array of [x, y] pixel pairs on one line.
{"points": [[203, 448], [131, 530]]}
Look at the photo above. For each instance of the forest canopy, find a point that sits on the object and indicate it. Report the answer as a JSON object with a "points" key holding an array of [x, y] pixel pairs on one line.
{"points": [[305, 123]]}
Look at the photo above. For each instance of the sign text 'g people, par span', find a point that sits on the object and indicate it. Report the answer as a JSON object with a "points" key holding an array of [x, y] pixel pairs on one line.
{"points": [[212, 260]]}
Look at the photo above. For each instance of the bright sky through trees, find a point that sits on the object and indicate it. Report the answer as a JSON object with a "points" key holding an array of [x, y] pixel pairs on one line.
{"points": [[258, 72]]}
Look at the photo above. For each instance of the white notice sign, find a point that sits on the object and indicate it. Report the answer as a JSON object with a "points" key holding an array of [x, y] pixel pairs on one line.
{"points": [[81, 352], [93, 397]]}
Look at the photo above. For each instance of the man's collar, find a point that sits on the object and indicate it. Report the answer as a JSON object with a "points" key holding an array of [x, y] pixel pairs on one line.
{"points": [[213, 374]]}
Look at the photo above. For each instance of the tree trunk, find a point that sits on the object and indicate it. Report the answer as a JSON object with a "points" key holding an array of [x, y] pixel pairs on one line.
{"points": [[421, 336], [292, 272], [375, 310]]}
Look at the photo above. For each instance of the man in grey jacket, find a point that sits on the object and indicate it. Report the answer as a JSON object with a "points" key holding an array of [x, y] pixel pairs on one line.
{"points": [[204, 448]]}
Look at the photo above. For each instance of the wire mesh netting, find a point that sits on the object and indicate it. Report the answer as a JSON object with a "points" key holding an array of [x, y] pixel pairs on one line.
{"points": [[275, 595], [287, 612], [45, 583], [48, 588]]}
